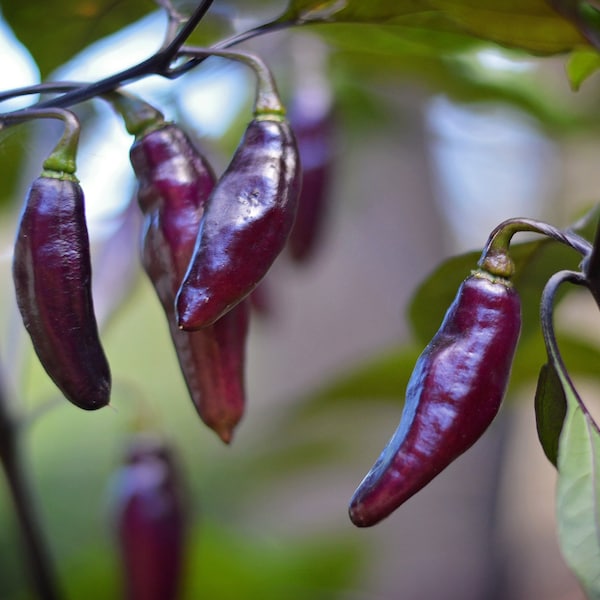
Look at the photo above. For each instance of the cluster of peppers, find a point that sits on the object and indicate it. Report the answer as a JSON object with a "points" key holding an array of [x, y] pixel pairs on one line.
{"points": [[206, 245]]}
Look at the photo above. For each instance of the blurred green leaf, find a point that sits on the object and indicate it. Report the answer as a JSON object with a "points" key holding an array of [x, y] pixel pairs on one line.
{"points": [[383, 377], [583, 358], [230, 566], [550, 411], [13, 146], [578, 490], [581, 65], [433, 297], [55, 30], [530, 25], [527, 24]]}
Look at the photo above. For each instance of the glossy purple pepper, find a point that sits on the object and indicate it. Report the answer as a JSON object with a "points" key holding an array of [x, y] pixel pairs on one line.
{"points": [[452, 396], [248, 218], [52, 277], [174, 183]]}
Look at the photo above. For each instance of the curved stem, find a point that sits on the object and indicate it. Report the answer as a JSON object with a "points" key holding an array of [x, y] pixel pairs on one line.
{"points": [[158, 64], [139, 116], [238, 38], [267, 100], [62, 158], [499, 239], [150, 66], [547, 322]]}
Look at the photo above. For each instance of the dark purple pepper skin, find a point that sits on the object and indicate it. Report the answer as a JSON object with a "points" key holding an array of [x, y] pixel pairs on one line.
{"points": [[314, 131], [151, 521], [174, 184], [52, 276], [453, 395], [247, 222]]}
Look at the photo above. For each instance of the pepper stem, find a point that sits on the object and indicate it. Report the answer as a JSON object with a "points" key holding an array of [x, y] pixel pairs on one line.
{"points": [[267, 101], [61, 161], [140, 117], [494, 257]]}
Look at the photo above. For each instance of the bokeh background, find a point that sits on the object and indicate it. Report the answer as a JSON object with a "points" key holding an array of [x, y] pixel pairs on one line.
{"points": [[423, 170]]}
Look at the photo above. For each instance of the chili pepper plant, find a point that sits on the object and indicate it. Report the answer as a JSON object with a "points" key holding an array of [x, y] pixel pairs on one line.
{"points": [[209, 221]]}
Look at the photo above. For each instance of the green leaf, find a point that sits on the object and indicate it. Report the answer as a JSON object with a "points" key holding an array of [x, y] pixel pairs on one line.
{"points": [[228, 564], [55, 30], [583, 356], [382, 376], [13, 150], [550, 411], [581, 65], [529, 25], [578, 495], [578, 488]]}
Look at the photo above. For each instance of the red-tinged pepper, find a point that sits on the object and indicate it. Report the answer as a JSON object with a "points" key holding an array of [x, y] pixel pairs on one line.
{"points": [[174, 183], [454, 393], [150, 517], [249, 214], [52, 277], [312, 120]]}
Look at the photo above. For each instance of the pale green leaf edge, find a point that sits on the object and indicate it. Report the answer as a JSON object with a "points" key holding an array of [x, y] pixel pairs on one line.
{"points": [[578, 496]]}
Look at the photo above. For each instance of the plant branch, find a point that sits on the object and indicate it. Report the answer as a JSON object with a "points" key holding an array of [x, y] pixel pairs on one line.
{"points": [[175, 19], [158, 64], [228, 43], [42, 88], [591, 268], [171, 49], [547, 322], [42, 573]]}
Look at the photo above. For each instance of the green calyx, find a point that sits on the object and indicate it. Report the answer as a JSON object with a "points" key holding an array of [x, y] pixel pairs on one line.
{"points": [[55, 173], [497, 264], [279, 117]]}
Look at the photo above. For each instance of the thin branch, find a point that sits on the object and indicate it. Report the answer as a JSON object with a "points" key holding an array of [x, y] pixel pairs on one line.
{"points": [[169, 53], [175, 19], [238, 38], [38, 559], [158, 64], [155, 65], [49, 87], [591, 268], [547, 323]]}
